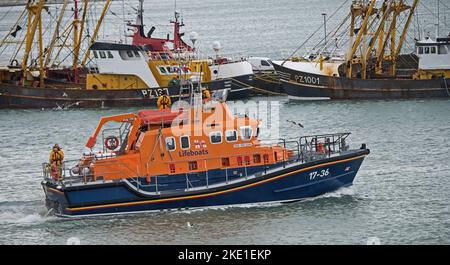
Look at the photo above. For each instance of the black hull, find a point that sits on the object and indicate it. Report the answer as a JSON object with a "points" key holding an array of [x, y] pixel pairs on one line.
{"points": [[18, 97], [268, 84], [305, 86], [265, 84], [239, 87]]}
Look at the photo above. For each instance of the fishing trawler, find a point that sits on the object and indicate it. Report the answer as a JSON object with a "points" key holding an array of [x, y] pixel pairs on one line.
{"points": [[238, 70], [373, 67], [107, 75], [197, 155]]}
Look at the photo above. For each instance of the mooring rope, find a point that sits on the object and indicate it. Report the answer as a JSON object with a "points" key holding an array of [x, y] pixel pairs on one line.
{"points": [[256, 88], [446, 86]]}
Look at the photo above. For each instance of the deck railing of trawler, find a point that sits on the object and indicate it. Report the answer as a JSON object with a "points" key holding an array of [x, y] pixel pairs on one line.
{"points": [[229, 57]]}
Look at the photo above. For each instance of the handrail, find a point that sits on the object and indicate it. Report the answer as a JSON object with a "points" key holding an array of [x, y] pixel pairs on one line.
{"points": [[307, 148]]}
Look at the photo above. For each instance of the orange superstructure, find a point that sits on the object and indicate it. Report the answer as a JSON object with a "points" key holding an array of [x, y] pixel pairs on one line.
{"points": [[162, 142]]}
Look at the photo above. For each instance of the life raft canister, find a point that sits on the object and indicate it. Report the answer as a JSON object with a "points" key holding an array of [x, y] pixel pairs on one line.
{"points": [[164, 102], [111, 143]]}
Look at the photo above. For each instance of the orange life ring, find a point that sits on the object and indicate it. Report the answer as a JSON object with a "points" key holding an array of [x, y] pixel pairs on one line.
{"points": [[112, 142]]}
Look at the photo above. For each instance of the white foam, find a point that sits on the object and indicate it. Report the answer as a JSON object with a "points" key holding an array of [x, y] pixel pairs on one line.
{"points": [[15, 217], [343, 192]]}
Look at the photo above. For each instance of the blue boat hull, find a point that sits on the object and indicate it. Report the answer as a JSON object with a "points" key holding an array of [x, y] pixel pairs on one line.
{"points": [[283, 184]]}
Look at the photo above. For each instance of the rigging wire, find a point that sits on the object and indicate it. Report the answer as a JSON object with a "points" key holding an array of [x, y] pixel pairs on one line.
{"points": [[315, 32]]}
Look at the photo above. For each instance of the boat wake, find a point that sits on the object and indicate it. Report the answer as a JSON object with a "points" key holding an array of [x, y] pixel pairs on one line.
{"points": [[343, 192], [29, 215]]}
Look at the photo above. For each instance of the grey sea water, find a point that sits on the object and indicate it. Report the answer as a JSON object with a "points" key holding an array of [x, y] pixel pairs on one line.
{"points": [[400, 196]]}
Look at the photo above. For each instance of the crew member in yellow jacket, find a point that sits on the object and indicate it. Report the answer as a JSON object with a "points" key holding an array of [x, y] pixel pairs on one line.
{"points": [[56, 161]]}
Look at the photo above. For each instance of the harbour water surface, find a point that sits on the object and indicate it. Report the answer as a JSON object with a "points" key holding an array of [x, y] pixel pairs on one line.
{"points": [[401, 195]]}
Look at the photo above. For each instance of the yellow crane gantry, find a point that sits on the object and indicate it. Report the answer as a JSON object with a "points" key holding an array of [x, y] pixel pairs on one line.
{"points": [[34, 11], [389, 11]]}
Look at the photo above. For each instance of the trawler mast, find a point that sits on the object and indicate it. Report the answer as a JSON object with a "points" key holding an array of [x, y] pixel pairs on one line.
{"points": [[34, 34], [390, 11], [34, 24]]}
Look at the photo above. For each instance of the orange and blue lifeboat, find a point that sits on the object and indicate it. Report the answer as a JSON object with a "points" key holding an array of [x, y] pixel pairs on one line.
{"points": [[195, 158]]}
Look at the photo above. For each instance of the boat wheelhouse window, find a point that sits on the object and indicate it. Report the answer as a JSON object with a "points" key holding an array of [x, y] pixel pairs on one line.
{"points": [[170, 143], [184, 142], [265, 63], [231, 136], [420, 50], [164, 56], [246, 133], [130, 54], [216, 137], [136, 54], [95, 55], [443, 49], [102, 54], [427, 50], [110, 55], [433, 50], [170, 69], [162, 70]]}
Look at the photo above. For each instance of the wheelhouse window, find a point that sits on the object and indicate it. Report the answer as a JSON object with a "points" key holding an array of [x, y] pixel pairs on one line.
{"points": [[130, 54], [184, 142], [110, 55], [420, 50], [102, 54], [95, 55], [427, 50], [433, 50], [246, 133], [216, 137], [265, 63], [136, 54], [443, 49], [231, 136], [171, 144], [162, 70]]}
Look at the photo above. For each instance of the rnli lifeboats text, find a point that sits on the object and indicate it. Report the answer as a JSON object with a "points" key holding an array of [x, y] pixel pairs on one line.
{"points": [[187, 153]]}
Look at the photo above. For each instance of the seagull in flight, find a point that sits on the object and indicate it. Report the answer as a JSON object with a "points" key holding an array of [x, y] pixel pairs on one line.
{"points": [[296, 123]]}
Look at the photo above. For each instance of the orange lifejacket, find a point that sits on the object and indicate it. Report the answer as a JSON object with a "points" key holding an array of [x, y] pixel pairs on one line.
{"points": [[56, 158]]}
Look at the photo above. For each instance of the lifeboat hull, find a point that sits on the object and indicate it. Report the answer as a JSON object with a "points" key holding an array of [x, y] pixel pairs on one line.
{"points": [[281, 184]]}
